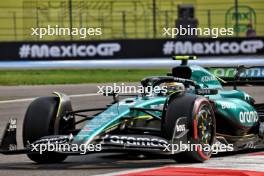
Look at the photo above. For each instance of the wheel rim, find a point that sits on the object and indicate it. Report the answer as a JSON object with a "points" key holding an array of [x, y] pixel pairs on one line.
{"points": [[205, 126]]}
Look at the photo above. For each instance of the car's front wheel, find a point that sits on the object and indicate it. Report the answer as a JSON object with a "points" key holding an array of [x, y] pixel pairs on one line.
{"points": [[200, 122], [38, 122]]}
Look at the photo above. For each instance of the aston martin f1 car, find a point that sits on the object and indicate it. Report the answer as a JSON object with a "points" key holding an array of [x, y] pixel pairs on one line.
{"points": [[188, 117]]}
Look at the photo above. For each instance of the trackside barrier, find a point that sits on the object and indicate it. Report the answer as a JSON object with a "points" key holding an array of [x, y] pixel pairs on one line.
{"points": [[134, 63], [129, 49], [222, 67]]}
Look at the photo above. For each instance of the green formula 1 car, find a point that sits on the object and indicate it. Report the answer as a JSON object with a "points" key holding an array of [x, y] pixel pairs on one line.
{"points": [[189, 117]]}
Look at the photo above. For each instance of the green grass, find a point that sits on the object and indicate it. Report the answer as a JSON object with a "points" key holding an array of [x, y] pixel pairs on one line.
{"points": [[42, 77]]}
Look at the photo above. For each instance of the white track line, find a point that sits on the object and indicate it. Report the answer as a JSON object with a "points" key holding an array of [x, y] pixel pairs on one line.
{"points": [[17, 100], [31, 99], [84, 95]]}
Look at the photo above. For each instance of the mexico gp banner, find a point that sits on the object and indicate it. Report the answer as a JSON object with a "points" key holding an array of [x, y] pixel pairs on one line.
{"points": [[125, 49]]}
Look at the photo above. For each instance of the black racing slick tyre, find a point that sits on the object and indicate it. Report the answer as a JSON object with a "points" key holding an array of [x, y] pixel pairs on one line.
{"points": [[200, 121], [38, 122]]}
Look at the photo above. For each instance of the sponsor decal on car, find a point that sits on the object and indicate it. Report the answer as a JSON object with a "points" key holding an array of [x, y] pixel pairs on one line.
{"points": [[246, 96], [228, 105], [257, 72], [129, 140], [208, 78], [157, 106], [180, 128], [248, 117]]}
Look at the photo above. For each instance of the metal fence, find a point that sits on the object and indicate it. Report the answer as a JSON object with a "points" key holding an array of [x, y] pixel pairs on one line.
{"points": [[119, 19]]}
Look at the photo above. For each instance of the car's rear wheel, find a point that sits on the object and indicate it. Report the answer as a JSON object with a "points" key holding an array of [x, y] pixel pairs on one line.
{"points": [[38, 122], [200, 122]]}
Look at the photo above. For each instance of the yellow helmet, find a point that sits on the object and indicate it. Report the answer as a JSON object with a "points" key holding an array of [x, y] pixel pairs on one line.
{"points": [[173, 87]]}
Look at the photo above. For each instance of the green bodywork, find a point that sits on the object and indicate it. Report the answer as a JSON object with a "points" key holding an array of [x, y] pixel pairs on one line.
{"points": [[233, 105], [114, 115]]}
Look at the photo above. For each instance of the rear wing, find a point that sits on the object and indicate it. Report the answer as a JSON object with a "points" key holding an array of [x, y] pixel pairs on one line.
{"points": [[252, 75]]}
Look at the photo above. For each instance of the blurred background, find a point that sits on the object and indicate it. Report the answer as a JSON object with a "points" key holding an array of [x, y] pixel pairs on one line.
{"points": [[127, 19], [132, 46], [132, 38]]}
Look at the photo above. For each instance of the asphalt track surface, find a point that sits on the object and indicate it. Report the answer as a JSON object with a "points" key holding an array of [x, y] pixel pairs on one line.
{"points": [[19, 98]]}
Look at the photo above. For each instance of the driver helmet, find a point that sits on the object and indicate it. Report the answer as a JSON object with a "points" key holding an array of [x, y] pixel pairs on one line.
{"points": [[173, 87]]}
